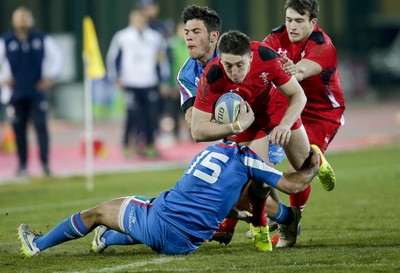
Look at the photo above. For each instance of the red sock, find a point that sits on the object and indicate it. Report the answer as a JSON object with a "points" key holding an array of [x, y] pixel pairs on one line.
{"points": [[228, 225], [259, 218], [300, 199]]}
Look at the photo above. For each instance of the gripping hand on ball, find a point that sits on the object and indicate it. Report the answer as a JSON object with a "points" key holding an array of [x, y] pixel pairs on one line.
{"points": [[245, 116]]}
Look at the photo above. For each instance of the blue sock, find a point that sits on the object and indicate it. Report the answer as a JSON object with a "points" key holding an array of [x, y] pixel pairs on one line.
{"points": [[69, 229], [283, 216], [112, 237]]}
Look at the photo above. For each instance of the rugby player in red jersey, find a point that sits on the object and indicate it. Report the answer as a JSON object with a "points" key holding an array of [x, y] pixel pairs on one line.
{"points": [[310, 56], [252, 70]]}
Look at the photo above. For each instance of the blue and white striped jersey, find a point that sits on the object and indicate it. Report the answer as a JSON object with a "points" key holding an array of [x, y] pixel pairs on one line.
{"points": [[188, 78], [211, 186]]}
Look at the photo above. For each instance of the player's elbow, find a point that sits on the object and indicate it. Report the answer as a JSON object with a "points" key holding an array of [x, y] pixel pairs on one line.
{"points": [[197, 135]]}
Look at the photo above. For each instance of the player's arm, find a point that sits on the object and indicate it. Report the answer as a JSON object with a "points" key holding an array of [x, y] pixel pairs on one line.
{"points": [[302, 70], [204, 128], [297, 100], [289, 183], [292, 183], [188, 117]]}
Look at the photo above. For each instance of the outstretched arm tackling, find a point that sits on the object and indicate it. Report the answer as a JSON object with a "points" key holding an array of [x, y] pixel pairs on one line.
{"points": [[292, 183]]}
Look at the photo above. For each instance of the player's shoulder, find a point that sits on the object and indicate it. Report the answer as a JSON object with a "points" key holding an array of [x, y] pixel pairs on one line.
{"points": [[213, 71], [187, 67], [278, 30], [264, 51], [319, 37]]}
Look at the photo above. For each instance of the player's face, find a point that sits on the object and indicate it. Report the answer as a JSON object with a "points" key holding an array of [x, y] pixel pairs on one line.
{"points": [[200, 43], [236, 66], [299, 27]]}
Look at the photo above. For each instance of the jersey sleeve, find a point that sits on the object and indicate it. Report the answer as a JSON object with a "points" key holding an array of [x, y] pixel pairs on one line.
{"points": [[210, 88], [323, 54], [186, 80], [206, 97], [261, 171], [270, 59], [280, 77], [272, 41]]}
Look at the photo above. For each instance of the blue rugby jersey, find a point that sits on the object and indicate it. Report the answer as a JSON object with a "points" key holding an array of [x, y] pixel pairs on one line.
{"points": [[211, 186], [188, 78], [30, 60]]}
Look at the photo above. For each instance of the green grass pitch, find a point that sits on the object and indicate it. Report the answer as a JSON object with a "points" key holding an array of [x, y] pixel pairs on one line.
{"points": [[354, 228]]}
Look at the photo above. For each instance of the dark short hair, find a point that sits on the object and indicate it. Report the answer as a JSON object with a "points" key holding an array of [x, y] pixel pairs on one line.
{"points": [[303, 6], [234, 42], [211, 19]]}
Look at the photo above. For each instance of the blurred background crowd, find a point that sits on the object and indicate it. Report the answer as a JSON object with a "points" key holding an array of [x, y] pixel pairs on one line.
{"points": [[366, 34]]}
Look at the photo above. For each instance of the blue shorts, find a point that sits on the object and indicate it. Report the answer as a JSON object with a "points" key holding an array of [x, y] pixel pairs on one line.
{"points": [[275, 153], [139, 218]]}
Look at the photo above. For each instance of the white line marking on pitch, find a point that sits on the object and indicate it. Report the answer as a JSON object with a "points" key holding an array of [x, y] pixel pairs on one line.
{"points": [[130, 266]]}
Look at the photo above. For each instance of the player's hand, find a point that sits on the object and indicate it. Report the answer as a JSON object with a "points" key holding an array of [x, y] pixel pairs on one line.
{"points": [[314, 160], [288, 66], [246, 115], [280, 135]]}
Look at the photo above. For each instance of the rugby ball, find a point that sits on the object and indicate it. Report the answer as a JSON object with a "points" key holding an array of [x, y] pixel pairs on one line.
{"points": [[227, 108]]}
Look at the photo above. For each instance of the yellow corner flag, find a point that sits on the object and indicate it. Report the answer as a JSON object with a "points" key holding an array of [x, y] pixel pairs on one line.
{"points": [[94, 66]]}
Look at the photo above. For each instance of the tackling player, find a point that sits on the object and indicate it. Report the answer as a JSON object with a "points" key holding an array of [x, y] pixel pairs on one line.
{"points": [[179, 220]]}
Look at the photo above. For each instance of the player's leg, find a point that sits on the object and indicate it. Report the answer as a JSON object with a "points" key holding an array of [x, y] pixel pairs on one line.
{"points": [[297, 151], [105, 237], [258, 193], [271, 154], [73, 227]]}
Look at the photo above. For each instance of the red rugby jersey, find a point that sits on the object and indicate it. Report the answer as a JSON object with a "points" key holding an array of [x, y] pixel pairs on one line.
{"points": [[324, 91], [256, 88]]}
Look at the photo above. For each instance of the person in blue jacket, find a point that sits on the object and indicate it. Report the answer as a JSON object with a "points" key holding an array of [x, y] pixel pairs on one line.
{"points": [[34, 60]]}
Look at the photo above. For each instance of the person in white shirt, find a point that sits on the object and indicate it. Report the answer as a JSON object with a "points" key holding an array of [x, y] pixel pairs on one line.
{"points": [[136, 62]]}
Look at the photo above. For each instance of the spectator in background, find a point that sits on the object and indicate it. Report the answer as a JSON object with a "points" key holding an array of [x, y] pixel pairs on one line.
{"points": [[35, 60], [179, 55], [137, 62], [151, 10]]}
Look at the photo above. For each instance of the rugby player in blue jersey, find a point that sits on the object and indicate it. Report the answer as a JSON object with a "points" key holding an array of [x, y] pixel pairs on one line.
{"points": [[180, 219]]}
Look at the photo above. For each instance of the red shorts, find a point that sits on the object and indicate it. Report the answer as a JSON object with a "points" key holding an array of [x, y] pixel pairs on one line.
{"points": [[320, 131], [264, 123]]}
